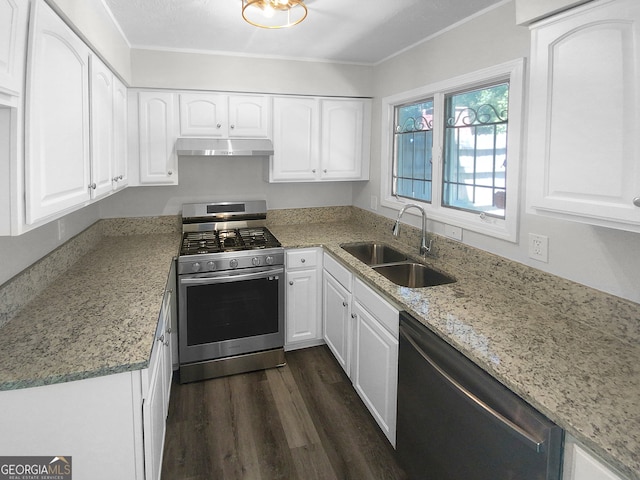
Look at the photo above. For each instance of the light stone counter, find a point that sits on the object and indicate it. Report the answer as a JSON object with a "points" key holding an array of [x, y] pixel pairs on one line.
{"points": [[573, 353], [570, 351], [97, 318]]}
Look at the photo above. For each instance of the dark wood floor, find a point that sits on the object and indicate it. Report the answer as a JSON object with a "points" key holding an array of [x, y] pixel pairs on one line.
{"points": [[301, 421]]}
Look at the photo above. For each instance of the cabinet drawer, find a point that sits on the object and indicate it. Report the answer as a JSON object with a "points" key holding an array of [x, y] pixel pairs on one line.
{"points": [[377, 306], [340, 273], [306, 258]]}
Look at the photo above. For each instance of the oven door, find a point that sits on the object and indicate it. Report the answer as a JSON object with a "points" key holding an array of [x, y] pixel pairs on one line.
{"points": [[230, 313]]}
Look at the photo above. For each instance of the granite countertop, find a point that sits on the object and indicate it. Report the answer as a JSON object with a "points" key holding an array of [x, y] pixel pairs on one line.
{"points": [[97, 318], [100, 317], [583, 378]]}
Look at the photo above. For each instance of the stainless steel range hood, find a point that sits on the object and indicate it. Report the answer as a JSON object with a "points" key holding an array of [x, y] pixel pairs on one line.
{"points": [[224, 147]]}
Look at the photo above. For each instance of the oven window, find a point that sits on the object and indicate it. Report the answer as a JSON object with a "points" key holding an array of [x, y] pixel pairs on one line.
{"points": [[226, 311]]}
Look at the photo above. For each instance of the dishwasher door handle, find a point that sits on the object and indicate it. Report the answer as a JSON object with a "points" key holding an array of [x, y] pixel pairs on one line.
{"points": [[537, 445]]}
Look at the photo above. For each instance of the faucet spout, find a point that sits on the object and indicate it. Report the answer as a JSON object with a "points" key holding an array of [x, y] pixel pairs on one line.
{"points": [[424, 248]]}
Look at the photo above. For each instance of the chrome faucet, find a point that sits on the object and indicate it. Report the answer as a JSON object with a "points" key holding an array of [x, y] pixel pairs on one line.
{"points": [[424, 249]]}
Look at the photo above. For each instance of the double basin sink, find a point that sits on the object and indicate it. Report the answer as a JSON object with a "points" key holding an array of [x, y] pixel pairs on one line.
{"points": [[395, 266]]}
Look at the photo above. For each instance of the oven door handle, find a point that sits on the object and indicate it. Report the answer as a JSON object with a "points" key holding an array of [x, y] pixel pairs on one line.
{"points": [[232, 277]]}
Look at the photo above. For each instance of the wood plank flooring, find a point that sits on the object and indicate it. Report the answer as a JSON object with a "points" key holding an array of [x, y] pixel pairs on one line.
{"points": [[301, 421]]}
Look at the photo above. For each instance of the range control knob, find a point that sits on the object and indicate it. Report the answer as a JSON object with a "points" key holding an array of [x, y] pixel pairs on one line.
{"points": [[211, 265], [233, 263], [269, 260], [195, 267], [255, 261]]}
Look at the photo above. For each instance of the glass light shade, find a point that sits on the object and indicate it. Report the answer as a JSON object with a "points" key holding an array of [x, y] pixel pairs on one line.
{"points": [[274, 13]]}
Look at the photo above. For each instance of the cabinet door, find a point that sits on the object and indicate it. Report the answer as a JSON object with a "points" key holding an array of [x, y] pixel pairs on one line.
{"points": [[296, 136], [336, 311], [580, 465], [583, 149], [342, 139], [203, 114], [57, 165], [157, 130], [153, 411], [102, 129], [302, 314], [13, 37], [120, 147], [375, 369], [249, 116]]}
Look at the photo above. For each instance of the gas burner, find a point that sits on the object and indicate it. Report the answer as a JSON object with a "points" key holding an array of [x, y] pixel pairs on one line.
{"points": [[200, 243]]}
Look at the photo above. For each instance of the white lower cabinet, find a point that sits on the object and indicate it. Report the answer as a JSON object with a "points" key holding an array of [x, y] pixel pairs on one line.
{"points": [[375, 358], [336, 311], [112, 426], [94, 421], [580, 465], [361, 330], [303, 318]]}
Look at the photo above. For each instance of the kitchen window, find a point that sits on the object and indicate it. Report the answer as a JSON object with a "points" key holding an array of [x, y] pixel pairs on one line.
{"points": [[448, 147]]}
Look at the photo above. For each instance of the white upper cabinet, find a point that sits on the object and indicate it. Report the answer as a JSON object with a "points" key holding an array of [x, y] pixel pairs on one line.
{"points": [[13, 37], [120, 144], [108, 131], [102, 129], [583, 148], [57, 166], [157, 125], [224, 116], [249, 116], [319, 139], [296, 139], [344, 150]]}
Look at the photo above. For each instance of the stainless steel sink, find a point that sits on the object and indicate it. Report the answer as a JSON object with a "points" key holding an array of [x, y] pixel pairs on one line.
{"points": [[413, 275], [374, 253]]}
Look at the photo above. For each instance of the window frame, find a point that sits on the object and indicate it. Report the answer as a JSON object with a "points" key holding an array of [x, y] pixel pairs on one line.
{"points": [[507, 228]]}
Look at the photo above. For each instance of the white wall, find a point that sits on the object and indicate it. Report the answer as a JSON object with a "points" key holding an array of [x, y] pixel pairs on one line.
{"points": [[17, 253], [94, 24], [605, 259], [218, 179], [161, 69]]}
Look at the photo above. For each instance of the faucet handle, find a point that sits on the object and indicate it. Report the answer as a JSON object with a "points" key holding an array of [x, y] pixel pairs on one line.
{"points": [[395, 230]]}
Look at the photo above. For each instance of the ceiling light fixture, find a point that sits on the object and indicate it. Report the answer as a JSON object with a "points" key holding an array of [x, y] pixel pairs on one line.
{"points": [[274, 13]]}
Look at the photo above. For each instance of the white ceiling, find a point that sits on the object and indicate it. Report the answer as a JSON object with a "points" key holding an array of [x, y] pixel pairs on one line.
{"points": [[354, 31]]}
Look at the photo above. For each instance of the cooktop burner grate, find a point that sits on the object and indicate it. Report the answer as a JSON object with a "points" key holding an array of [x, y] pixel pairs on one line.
{"points": [[197, 243]]}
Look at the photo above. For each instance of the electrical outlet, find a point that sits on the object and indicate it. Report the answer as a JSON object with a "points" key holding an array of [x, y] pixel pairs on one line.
{"points": [[374, 202], [539, 247]]}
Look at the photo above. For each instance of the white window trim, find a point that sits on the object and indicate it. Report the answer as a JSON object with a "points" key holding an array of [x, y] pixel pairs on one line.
{"points": [[506, 229]]}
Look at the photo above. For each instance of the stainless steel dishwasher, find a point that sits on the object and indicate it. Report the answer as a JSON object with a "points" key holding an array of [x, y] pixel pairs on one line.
{"points": [[456, 422]]}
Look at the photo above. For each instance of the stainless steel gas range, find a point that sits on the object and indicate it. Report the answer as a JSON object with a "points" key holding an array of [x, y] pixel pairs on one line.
{"points": [[231, 291]]}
